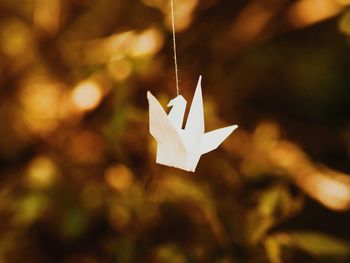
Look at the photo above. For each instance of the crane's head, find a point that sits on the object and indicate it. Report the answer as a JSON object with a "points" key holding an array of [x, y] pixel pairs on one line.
{"points": [[178, 101]]}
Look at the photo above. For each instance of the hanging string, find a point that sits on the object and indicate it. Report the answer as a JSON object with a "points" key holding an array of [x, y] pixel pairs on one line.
{"points": [[174, 46]]}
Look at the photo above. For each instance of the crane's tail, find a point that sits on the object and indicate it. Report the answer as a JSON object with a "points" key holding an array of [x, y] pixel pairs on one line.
{"points": [[211, 140]]}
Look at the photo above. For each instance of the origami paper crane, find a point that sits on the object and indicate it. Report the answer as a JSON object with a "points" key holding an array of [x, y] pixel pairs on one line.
{"points": [[178, 147]]}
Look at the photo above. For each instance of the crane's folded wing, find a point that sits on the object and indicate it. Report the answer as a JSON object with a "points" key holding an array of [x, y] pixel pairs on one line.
{"points": [[195, 121], [160, 126]]}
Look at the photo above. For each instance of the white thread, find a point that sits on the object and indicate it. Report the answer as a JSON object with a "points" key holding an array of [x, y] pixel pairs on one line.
{"points": [[174, 46]]}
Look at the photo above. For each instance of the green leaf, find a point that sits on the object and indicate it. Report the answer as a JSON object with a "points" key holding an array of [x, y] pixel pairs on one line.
{"points": [[344, 23], [320, 244]]}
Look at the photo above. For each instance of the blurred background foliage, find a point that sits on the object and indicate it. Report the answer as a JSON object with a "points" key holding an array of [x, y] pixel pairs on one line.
{"points": [[79, 181]]}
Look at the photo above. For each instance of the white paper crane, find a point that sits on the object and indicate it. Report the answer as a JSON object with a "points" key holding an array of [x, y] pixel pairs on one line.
{"points": [[177, 147]]}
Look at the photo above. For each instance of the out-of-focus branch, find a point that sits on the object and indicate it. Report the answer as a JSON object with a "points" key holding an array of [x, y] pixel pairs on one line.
{"points": [[265, 152]]}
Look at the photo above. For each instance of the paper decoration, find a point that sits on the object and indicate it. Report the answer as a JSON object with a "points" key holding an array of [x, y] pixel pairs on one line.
{"points": [[177, 147]]}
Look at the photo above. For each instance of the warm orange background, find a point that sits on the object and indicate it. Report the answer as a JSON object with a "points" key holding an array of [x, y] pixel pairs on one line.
{"points": [[78, 178]]}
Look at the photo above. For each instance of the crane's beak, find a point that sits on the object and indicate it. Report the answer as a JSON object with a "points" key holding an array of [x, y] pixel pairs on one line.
{"points": [[171, 103]]}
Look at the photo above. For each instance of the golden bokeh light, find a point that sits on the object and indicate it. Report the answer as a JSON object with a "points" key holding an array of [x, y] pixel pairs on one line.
{"points": [[39, 98], [15, 37], [266, 135], [120, 68], [120, 47], [328, 190], [42, 172], [30, 209], [147, 42], [183, 11], [252, 20], [87, 95], [183, 14], [119, 177], [306, 12], [99, 51], [344, 23], [47, 15], [344, 2]]}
